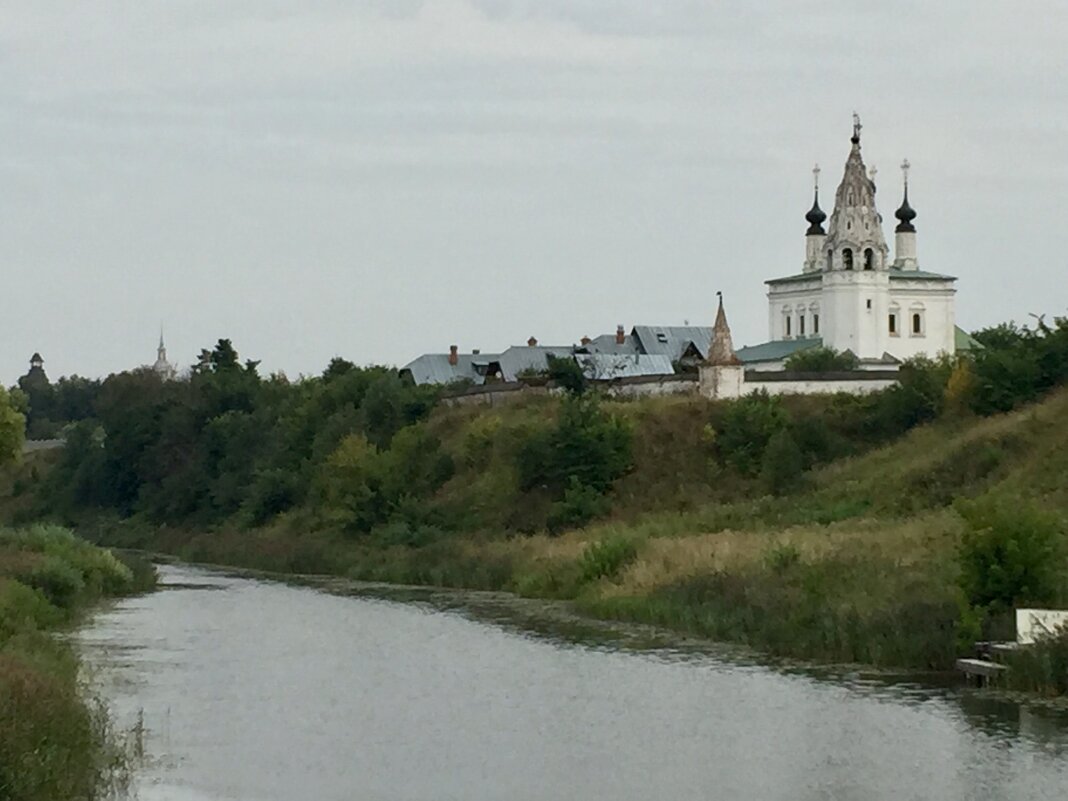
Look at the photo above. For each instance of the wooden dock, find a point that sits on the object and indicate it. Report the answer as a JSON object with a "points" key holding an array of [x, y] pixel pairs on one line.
{"points": [[981, 671]]}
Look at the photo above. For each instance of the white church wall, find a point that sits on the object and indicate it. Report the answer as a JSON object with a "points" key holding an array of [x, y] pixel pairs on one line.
{"points": [[855, 306], [852, 386], [937, 320]]}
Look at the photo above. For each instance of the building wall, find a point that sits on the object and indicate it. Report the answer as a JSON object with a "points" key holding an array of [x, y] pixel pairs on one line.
{"points": [[854, 308], [934, 301], [820, 386]]}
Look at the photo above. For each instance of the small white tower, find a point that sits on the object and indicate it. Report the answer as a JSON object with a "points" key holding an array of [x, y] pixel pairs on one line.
{"points": [[722, 374], [905, 233]]}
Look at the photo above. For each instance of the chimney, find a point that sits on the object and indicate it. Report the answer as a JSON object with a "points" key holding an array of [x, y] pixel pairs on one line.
{"points": [[532, 342], [585, 341], [454, 358], [621, 335]]}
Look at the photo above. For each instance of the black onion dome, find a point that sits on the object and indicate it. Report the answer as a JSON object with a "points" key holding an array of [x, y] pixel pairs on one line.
{"points": [[815, 217], [905, 215]]}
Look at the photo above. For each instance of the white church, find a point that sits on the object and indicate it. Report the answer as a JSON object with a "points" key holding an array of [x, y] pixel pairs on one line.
{"points": [[851, 295]]}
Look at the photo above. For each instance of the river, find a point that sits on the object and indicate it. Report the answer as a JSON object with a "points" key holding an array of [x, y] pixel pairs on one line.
{"points": [[255, 690]]}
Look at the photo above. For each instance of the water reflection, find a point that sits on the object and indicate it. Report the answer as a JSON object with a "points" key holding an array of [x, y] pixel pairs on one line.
{"points": [[260, 690]]}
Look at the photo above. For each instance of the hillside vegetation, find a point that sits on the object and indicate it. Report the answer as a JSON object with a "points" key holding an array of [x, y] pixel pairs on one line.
{"points": [[893, 529]]}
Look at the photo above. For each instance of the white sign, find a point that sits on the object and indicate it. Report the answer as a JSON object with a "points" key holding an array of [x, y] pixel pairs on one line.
{"points": [[1034, 624]]}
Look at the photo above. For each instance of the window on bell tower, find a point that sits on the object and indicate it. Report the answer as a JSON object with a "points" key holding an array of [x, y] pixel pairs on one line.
{"points": [[869, 259], [847, 259]]}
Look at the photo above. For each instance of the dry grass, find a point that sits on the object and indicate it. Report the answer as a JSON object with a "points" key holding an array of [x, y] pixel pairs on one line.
{"points": [[665, 561]]}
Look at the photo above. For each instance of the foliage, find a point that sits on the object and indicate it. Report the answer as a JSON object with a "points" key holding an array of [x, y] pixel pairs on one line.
{"points": [[12, 428], [1017, 364], [581, 504], [748, 425], [783, 463], [567, 373], [606, 558], [577, 460], [1012, 553], [821, 360], [53, 743], [1041, 667]]}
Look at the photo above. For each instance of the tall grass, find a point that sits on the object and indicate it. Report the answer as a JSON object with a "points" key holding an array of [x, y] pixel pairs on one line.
{"points": [[55, 743]]}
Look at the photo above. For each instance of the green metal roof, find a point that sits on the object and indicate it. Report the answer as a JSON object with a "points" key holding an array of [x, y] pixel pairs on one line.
{"points": [[904, 275], [920, 275], [790, 279], [774, 351], [963, 341]]}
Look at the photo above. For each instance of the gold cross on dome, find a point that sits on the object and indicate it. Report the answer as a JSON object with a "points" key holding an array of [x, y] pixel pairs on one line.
{"points": [[816, 176], [905, 170]]}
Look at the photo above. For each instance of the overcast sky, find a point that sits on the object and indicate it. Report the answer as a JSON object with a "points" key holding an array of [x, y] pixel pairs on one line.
{"points": [[384, 178]]}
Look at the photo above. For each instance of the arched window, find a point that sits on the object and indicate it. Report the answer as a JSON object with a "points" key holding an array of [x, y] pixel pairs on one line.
{"points": [[847, 259], [788, 321], [917, 324], [814, 313], [830, 259], [869, 259], [892, 324]]}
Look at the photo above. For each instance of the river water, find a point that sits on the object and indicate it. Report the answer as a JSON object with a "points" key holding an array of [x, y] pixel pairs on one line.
{"points": [[254, 690]]}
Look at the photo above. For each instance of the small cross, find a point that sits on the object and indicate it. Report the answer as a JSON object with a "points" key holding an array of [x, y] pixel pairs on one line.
{"points": [[905, 170], [872, 172], [856, 125], [816, 176]]}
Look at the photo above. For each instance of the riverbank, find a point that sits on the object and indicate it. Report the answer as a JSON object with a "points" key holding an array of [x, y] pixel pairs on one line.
{"points": [[893, 557], [55, 742]]}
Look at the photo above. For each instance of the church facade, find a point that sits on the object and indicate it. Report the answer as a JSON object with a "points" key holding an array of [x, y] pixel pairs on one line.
{"points": [[852, 294]]}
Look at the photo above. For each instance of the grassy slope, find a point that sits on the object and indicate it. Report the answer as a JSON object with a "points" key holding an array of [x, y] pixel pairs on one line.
{"points": [[858, 566]]}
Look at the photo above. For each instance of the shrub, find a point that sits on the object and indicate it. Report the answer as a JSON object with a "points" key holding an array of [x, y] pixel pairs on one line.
{"points": [[821, 360], [783, 464], [587, 444], [1041, 667], [1011, 553], [605, 558], [581, 504], [748, 425], [22, 609], [567, 373]]}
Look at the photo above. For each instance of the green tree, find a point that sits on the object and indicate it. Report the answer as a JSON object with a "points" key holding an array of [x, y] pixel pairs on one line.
{"points": [[1012, 552], [821, 360], [12, 428], [748, 425], [567, 373], [783, 463]]}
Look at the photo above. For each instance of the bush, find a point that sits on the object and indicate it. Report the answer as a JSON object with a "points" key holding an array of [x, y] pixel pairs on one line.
{"points": [[821, 360], [783, 464], [581, 504], [748, 425], [1011, 553], [577, 460], [1041, 667], [23, 609], [606, 558]]}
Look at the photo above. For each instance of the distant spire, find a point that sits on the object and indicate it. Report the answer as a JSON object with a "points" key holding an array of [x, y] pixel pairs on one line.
{"points": [[721, 351], [906, 214], [816, 215], [855, 139]]}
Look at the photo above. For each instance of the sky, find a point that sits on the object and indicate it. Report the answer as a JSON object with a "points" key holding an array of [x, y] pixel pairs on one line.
{"points": [[384, 178]]}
